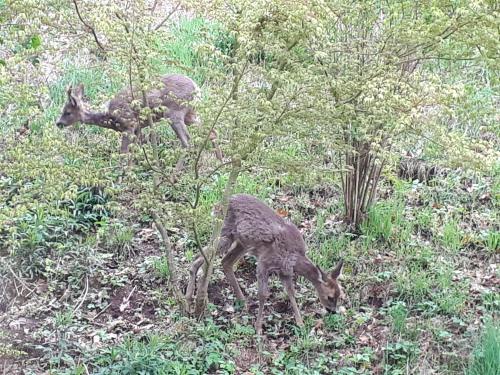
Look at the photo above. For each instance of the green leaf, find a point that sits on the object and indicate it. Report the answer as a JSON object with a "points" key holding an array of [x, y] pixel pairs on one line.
{"points": [[35, 41]]}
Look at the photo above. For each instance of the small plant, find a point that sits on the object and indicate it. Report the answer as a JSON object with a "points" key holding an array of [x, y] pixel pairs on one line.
{"points": [[33, 236], [334, 322], [382, 219], [424, 219], [452, 301], [88, 208], [161, 268], [414, 284], [486, 356], [491, 301], [398, 355], [399, 313], [452, 236], [492, 241], [118, 238]]}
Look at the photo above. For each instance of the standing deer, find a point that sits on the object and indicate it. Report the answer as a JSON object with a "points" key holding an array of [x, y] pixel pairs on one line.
{"points": [[171, 101], [253, 228]]}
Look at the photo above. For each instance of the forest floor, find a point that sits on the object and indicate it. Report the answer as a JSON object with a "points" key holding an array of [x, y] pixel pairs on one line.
{"points": [[421, 279]]}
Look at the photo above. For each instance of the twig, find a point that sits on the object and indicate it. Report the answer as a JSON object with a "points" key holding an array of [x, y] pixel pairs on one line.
{"points": [[84, 295], [130, 294], [216, 169], [198, 244], [18, 278], [92, 30], [167, 17], [101, 312], [154, 169], [216, 119]]}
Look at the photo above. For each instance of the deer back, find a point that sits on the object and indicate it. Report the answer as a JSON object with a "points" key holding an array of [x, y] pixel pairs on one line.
{"points": [[257, 226], [173, 94]]}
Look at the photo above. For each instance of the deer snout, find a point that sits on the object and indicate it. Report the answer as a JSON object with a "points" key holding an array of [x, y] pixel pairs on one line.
{"points": [[60, 124]]}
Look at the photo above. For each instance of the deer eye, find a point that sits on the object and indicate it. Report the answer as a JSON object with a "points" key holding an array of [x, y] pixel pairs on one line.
{"points": [[67, 113]]}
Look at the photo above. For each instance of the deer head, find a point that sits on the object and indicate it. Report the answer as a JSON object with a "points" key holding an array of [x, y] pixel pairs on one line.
{"points": [[73, 108], [329, 289]]}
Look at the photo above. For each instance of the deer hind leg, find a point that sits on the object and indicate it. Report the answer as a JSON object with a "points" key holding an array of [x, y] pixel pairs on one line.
{"points": [[195, 266], [263, 293], [287, 281], [233, 254], [224, 244]]}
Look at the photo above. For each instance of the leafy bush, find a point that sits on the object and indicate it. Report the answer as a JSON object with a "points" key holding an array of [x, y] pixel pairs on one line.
{"points": [[88, 208]]}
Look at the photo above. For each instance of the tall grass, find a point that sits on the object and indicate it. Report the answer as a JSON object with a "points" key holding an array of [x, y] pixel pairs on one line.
{"points": [[486, 356]]}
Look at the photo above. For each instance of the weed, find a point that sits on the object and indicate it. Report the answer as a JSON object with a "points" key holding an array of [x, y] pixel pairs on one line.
{"points": [[118, 238], [398, 355], [329, 251], [413, 284], [163, 355], [491, 301], [161, 268], [492, 241], [399, 313], [382, 219], [486, 356], [452, 236], [424, 219], [334, 322], [33, 236], [87, 208]]}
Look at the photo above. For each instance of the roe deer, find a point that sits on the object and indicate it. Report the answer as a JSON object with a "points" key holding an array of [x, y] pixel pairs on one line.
{"points": [[253, 228], [170, 101]]}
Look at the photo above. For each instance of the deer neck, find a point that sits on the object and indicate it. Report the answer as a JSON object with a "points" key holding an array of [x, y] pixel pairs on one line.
{"points": [[102, 119], [304, 267]]}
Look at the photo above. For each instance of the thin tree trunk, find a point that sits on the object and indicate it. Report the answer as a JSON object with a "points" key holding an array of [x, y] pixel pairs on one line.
{"points": [[208, 268], [172, 268]]}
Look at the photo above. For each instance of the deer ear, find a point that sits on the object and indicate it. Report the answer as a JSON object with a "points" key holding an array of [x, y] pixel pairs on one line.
{"points": [[71, 96], [78, 92], [336, 271]]}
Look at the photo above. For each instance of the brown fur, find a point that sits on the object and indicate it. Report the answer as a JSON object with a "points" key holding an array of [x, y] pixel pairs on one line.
{"points": [[171, 101], [253, 228]]}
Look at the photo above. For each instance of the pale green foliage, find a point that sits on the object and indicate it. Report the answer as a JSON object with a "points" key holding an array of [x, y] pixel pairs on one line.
{"points": [[486, 356]]}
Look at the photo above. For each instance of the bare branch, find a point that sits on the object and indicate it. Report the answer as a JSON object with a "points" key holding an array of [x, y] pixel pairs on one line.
{"points": [[88, 26], [167, 17], [173, 275]]}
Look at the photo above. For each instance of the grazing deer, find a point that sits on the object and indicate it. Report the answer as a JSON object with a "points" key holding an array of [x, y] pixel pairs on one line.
{"points": [[251, 227], [170, 101]]}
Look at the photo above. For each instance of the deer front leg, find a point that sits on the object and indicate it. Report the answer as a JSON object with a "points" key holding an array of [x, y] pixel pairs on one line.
{"points": [[234, 253], [180, 128], [290, 291], [126, 141], [213, 138], [263, 293]]}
